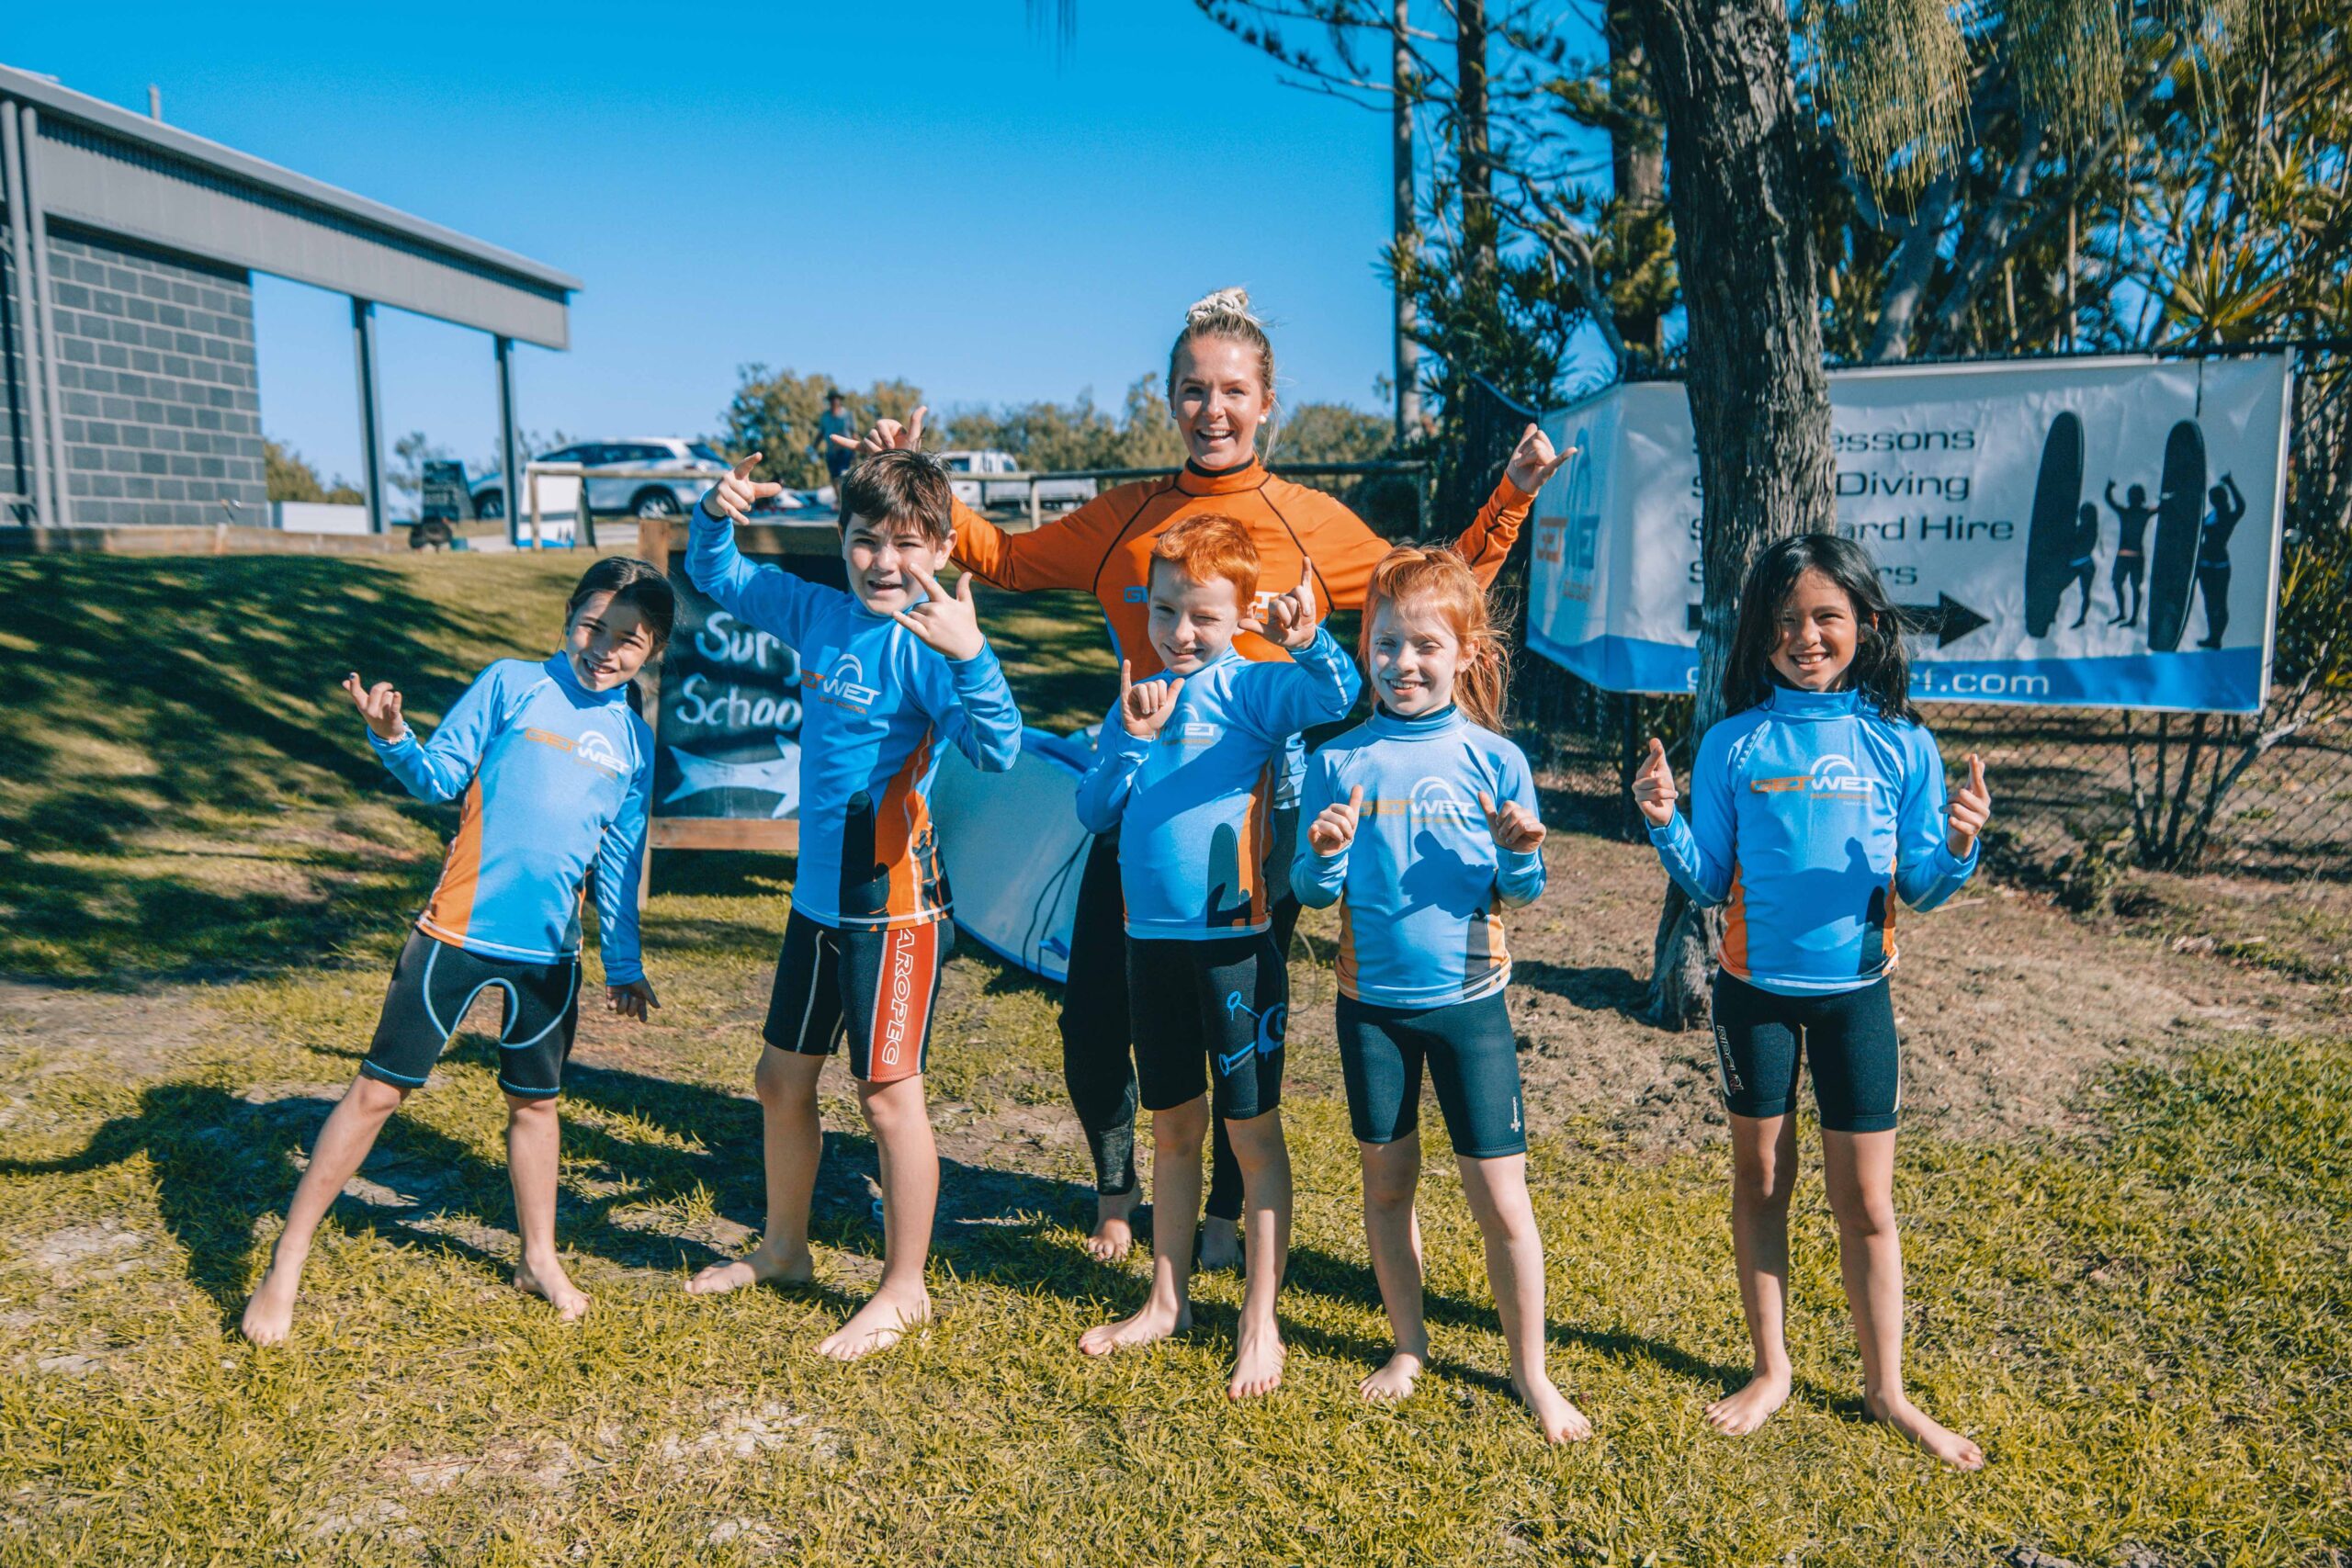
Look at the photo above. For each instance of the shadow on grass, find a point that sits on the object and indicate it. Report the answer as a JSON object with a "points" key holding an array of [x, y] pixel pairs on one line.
{"points": [[221, 1163], [1597, 988], [148, 697]]}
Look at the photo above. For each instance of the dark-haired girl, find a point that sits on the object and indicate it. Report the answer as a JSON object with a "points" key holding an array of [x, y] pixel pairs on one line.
{"points": [[555, 771], [1813, 806]]}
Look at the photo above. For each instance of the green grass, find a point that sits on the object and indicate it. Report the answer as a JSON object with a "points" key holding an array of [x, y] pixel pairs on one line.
{"points": [[2146, 1329]]}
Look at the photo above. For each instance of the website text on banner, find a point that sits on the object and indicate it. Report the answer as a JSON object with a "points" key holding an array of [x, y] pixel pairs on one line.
{"points": [[2092, 533]]}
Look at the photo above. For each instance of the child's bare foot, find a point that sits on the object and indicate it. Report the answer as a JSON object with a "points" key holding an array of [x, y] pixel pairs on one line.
{"points": [[1256, 1362], [1393, 1381], [547, 1279], [1742, 1413], [1115, 1231], [1917, 1425], [757, 1266], [1220, 1243], [1155, 1321], [271, 1312], [879, 1324], [1562, 1422]]}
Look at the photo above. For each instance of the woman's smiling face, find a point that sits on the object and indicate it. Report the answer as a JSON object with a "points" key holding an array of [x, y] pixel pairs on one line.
{"points": [[1220, 400]]}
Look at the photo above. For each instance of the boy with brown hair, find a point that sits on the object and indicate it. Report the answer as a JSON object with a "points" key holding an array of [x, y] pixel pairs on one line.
{"points": [[888, 669]]}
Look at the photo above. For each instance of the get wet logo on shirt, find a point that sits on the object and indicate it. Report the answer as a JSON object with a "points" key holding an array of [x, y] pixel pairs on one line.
{"points": [[1833, 777], [594, 749], [844, 685]]}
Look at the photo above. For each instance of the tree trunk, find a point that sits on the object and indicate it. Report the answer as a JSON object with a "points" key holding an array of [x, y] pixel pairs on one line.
{"points": [[1637, 166], [1403, 93], [1907, 283], [1470, 136], [1759, 401]]}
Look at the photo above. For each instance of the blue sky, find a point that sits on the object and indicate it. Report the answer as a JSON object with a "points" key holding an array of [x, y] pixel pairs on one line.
{"points": [[921, 190]]}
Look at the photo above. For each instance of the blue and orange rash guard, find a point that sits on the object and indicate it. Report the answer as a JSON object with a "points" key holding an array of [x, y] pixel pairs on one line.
{"points": [[1104, 547], [1192, 804], [1423, 887], [1810, 814], [875, 702], [555, 779]]}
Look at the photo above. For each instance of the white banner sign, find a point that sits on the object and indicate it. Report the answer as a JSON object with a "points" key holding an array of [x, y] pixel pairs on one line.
{"points": [[2087, 533]]}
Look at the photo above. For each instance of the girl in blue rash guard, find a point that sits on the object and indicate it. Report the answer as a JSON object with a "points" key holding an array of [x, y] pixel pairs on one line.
{"points": [[1423, 827], [1815, 806], [554, 771]]}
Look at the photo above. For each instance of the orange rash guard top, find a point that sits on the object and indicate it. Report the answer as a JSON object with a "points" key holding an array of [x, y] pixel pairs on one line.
{"points": [[1105, 547]]}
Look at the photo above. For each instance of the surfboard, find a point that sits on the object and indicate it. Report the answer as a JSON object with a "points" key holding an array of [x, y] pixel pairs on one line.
{"points": [[2180, 517], [1014, 849], [2050, 535]]}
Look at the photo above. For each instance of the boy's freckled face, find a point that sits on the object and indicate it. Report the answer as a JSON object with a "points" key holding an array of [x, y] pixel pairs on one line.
{"points": [[882, 560], [1192, 623], [1817, 634], [606, 643]]}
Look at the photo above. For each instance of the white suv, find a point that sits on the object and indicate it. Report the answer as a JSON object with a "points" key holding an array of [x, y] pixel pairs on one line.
{"points": [[697, 467]]}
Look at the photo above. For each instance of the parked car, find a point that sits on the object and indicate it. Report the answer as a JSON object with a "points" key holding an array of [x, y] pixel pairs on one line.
{"points": [[1053, 495], [696, 465]]}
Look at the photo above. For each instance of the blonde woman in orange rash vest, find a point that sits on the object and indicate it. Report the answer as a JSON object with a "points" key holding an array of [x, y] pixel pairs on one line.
{"points": [[1220, 388]]}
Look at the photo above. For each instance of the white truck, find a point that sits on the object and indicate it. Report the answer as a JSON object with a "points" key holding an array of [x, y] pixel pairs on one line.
{"points": [[974, 487]]}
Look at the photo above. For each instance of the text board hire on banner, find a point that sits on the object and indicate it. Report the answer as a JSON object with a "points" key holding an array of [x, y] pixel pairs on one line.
{"points": [[2099, 533]]}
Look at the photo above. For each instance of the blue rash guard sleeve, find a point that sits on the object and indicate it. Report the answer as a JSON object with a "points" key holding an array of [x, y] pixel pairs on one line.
{"points": [[439, 769], [970, 704], [1318, 880], [1698, 852], [1926, 872], [620, 866], [1319, 684], [1519, 874], [1102, 792], [767, 596]]}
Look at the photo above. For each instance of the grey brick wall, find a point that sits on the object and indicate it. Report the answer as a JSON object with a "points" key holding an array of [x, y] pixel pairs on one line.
{"points": [[16, 439], [156, 385]]}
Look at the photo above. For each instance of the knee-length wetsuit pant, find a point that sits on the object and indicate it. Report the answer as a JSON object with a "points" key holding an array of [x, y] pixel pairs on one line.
{"points": [[1098, 1046]]}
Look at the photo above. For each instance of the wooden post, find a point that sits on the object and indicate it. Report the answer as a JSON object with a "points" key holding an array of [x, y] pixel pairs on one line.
{"points": [[1034, 518], [531, 485]]}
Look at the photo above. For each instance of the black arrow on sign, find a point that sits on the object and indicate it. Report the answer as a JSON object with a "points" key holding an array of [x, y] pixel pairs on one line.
{"points": [[1947, 620]]}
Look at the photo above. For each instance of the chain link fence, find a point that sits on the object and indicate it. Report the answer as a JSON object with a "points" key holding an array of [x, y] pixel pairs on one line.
{"points": [[2076, 789]]}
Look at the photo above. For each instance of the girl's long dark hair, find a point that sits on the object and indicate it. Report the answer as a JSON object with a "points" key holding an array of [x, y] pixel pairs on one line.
{"points": [[1882, 666], [637, 583]]}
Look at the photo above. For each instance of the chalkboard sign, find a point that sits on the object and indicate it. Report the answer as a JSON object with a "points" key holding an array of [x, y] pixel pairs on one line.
{"points": [[726, 703], [445, 498]]}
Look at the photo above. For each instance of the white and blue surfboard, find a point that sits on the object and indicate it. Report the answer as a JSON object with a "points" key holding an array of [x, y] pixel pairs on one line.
{"points": [[1014, 849]]}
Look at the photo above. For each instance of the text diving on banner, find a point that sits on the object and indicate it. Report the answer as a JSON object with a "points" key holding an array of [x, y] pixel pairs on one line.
{"points": [[2088, 532]]}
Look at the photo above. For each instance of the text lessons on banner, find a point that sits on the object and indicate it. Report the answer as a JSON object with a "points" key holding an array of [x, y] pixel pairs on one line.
{"points": [[2086, 533]]}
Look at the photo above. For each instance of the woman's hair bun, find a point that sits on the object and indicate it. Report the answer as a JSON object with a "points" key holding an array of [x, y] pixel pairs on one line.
{"points": [[1221, 309]]}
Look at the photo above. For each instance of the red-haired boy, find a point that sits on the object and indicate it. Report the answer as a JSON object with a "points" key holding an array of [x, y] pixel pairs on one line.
{"points": [[1185, 769]]}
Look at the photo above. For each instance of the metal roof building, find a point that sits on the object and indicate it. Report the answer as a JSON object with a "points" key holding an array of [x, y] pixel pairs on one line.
{"points": [[127, 382]]}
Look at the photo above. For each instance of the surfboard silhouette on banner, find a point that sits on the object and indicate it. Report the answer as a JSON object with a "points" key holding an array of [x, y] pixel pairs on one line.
{"points": [[1014, 849], [2050, 533], [2180, 514]]}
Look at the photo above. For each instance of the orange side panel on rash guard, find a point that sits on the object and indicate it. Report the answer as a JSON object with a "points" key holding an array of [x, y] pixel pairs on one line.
{"points": [[1734, 949], [1345, 969], [903, 839], [452, 904], [1105, 547]]}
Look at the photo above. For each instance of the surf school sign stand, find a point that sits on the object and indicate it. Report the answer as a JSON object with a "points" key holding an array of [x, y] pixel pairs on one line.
{"points": [[2084, 533], [724, 701]]}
